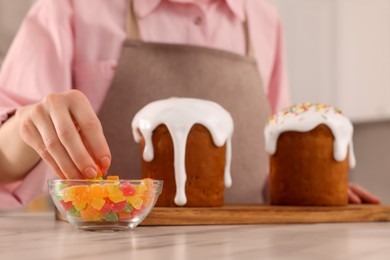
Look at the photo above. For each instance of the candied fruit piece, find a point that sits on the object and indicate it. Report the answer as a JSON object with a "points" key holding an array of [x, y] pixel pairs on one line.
{"points": [[90, 213], [79, 205], [147, 200], [127, 189], [74, 212], [99, 174], [120, 206], [112, 178], [124, 215], [106, 207], [114, 193], [79, 190], [97, 191], [69, 194], [118, 198], [66, 205], [87, 196], [135, 201], [97, 203], [128, 208], [110, 216], [141, 188]]}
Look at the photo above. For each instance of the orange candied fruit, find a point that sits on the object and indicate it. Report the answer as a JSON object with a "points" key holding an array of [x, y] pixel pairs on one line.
{"points": [[113, 178], [99, 174]]}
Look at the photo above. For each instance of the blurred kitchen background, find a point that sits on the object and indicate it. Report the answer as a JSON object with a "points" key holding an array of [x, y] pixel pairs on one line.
{"points": [[338, 53]]}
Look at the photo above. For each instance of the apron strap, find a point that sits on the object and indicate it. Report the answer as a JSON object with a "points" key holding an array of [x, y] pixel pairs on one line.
{"points": [[134, 34], [132, 23], [248, 40]]}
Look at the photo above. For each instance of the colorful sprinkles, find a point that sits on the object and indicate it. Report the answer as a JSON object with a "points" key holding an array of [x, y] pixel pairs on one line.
{"points": [[299, 109]]}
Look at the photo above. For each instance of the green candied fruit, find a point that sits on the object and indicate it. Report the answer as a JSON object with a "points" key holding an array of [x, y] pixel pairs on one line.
{"points": [[74, 212], [62, 186], [59, 190], [110, 216], [128, 208]]}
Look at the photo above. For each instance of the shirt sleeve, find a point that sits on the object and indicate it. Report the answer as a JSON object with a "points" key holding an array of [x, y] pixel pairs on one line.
{"points": [[278, 90], [38, 63]]}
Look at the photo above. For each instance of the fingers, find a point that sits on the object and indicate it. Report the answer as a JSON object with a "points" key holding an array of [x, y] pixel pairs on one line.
{"points": [[363, 195], [67, 134], [91, 132], [34, 139], [52, 146], [70, 139], [353, 198]]}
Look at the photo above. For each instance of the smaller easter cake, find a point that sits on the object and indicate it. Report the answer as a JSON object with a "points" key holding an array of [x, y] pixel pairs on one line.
{"points": [[186, 143], [311, 152]]}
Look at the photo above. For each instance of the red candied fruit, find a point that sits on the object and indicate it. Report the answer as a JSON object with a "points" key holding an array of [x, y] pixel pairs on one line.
{"points": [[107, 207], [119, 206], [127, 189], [66, 205]]}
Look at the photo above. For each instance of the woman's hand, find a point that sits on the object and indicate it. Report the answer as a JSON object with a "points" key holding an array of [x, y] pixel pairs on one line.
{"points": [[358, 195], [65, 131]]}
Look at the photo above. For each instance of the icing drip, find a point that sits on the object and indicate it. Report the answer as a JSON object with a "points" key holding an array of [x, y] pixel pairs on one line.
{"points": [[306, 116], [179, 115]]}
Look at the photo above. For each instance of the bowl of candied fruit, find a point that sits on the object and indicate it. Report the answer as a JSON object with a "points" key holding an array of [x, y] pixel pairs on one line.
{"points": [[112, 204]]}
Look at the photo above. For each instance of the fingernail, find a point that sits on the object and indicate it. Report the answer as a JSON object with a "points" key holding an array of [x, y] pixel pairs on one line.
{"points": [[105, 163], [90, 172]]}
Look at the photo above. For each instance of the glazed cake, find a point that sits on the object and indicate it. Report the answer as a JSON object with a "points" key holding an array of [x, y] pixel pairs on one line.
{"points": [[186, 143], [311, 152]]}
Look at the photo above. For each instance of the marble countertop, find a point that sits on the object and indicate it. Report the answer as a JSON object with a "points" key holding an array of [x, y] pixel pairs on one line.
{"points": [[40, 236]]}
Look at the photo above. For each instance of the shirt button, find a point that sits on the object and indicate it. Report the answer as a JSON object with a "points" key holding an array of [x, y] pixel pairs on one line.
{"points": [[198, 20]]}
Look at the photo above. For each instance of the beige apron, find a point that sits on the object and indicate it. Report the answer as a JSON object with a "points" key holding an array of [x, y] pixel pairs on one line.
{"points": [[151, 71]]}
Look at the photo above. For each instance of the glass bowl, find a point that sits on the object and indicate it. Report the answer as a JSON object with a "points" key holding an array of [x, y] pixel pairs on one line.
{"points": [[111, 205]]}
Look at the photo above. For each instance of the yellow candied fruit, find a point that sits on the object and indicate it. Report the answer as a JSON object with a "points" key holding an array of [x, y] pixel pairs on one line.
{"points": [[97, 203], [113, 190], [79, 205], [114, 193], [97, 191], [135, 201], [140, 188], [117, 198], [69, 194]]}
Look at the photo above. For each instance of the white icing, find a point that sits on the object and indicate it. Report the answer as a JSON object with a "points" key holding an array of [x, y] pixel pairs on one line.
{"points": [[305, 117], [179, 115]]}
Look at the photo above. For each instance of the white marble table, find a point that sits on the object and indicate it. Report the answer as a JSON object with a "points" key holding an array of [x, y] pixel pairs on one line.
{"points": [[39, 236]]}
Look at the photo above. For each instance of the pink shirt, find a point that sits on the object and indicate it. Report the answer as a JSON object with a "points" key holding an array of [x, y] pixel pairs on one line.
{"points": [[66, 44]]}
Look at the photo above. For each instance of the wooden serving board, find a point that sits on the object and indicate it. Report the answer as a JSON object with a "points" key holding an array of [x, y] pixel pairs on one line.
{"points": [[265, 214]]}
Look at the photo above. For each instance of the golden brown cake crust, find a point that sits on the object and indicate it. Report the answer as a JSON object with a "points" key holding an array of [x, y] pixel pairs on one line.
{"points": [[205, 165], [303, 170]]}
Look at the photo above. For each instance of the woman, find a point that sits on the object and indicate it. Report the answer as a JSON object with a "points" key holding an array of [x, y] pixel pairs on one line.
{"points": [[60, 72]]}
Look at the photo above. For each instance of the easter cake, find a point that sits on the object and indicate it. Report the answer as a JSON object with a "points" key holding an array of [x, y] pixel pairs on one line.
{"points": [[311, 152], [186, 143]]}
